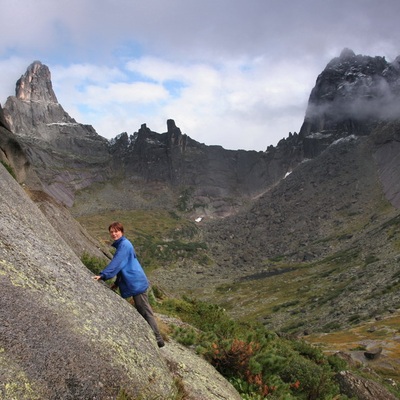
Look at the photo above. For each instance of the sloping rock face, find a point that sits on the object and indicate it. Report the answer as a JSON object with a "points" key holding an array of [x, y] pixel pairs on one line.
{"points": [[351, 96], [65, 336], [66, 155], [62, 335], [13, 155]]}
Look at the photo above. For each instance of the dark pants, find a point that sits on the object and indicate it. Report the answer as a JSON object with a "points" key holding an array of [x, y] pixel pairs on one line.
{"points": [[143, 306]]}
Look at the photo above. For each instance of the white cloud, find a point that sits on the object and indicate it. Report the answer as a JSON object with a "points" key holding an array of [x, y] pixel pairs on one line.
{"points": [[237, 74], [236, 104]]}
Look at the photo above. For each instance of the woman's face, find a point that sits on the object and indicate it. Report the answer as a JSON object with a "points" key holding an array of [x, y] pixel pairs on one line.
{"points": [[115, 234]]}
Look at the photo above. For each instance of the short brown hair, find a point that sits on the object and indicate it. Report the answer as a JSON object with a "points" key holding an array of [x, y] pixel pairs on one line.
{"points": [[116, 226]]}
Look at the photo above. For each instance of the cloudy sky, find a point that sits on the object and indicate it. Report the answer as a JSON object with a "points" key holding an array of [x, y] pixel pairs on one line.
{"points": [[235, 73]]}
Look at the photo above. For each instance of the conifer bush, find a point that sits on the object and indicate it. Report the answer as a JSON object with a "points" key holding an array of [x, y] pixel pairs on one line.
{"points": [[258, 363], [93, 263]]}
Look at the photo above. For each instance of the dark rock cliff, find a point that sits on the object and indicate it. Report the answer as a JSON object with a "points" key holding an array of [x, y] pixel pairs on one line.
{"points": [[351, 96], [211, 171]]}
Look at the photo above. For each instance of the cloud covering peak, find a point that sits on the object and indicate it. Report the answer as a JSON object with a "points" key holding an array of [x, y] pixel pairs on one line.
{"points": [[237, 74]]}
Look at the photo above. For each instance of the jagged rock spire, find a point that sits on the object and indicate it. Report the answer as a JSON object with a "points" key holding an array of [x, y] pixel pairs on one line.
{"points": [[35, 84]]}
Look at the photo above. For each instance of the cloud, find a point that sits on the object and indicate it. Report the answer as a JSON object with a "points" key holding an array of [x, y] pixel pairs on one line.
{"points": [[229, 104], [237, 74]]}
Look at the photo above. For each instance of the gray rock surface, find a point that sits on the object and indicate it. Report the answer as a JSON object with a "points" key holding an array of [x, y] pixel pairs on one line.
{"points": [[360, 388], [66, 156], [64, 335]]}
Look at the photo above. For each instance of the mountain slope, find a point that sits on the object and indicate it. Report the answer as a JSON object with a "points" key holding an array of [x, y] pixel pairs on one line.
{"points": [[328, 224]]}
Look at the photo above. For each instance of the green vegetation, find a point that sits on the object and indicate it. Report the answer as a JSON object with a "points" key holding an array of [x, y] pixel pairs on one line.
{"points": [[306, 291], [10, 169], [257, 362], [160, 238], [180, 394], [93, 263], [184, 199]]}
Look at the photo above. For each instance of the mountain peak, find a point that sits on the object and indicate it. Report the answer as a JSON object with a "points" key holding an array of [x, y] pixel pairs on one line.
{"points": [[35, 84], [347, 53]]}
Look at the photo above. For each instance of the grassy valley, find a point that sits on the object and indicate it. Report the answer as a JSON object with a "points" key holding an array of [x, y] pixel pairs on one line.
{"points": [[307, 299]]}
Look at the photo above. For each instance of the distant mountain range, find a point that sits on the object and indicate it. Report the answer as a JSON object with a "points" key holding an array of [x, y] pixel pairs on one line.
{"points": [[303, 237], [331, 189]]}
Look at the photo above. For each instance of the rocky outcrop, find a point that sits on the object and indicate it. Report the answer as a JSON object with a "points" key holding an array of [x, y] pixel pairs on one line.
{"points": [[218, 179], [67, 156], [65, 336], [13, 155], [351, 96], [360, 388]]}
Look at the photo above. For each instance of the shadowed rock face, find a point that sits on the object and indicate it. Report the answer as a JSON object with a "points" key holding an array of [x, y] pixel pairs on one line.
{"points": [[351, 96], [13, 155], [177, 159]]}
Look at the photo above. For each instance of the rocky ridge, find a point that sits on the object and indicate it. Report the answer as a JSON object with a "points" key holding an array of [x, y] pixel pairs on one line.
{"points": [[351, 96], [70, 157]]}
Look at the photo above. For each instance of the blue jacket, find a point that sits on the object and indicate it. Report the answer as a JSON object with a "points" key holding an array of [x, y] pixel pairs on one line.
{"points": [[131, 278]]}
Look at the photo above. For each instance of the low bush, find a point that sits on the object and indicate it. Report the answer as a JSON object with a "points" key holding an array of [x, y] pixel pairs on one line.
{"points": [[257, 362], [93, 263]]}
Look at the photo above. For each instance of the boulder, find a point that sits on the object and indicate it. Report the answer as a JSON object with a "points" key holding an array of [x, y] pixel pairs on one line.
{"points": [[360, 388]]}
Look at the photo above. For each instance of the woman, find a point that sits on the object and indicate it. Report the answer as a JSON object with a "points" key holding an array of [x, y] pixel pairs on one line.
{"points": [[131, 279]]}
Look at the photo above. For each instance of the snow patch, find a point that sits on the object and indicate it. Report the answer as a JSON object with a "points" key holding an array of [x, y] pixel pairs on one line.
{"points": [[318, 135], [63, 124], [349, 138], [287, 174]]}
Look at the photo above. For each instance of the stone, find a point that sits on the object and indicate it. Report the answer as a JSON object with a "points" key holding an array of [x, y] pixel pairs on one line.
{"points": [[373, 353], [361, 388]]}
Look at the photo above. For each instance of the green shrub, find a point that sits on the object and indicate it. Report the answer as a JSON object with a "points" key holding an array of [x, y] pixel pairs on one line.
{"points": [[93, 263], [336, 363], [312, 380], [10, 169], [258, 363], [185, 336], [307, 350]]}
